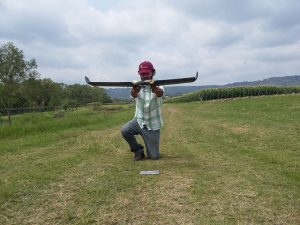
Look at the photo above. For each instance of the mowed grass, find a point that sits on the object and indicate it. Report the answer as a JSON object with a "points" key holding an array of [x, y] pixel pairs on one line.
{"points": [[223, 162]]}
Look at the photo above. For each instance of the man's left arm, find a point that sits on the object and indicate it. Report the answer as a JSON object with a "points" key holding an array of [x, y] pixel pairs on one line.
{"points": [[157, 90]]}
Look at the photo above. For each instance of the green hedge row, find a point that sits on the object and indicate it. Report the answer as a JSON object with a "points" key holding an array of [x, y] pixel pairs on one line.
{"points": [[233, 92]]}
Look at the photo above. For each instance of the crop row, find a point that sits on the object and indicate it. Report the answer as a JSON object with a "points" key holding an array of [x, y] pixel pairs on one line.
{"points": [[234, 92]]}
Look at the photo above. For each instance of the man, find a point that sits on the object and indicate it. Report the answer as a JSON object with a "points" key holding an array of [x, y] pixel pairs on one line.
{"points": [[148, 118]]}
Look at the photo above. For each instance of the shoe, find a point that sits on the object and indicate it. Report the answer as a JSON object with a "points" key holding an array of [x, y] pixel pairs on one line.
{"points": [[138, 156]]}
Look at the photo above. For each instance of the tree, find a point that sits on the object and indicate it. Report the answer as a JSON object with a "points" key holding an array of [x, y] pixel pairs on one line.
{"points": [[31, 90], [84, 94], [52, 93], [13, 70]]}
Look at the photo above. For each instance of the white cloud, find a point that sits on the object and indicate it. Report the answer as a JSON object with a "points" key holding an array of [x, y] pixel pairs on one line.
{"points": [[226, 41]]}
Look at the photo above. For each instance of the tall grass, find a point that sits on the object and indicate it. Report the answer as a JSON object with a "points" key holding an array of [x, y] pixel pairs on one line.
{"points": [[38, 122]]}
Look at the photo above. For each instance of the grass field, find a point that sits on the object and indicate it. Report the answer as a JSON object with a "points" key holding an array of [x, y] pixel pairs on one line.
{"points": [[223, 162]]}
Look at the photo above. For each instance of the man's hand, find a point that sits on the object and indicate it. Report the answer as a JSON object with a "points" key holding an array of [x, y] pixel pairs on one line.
{"points": [[155, 89], [135, 91]]}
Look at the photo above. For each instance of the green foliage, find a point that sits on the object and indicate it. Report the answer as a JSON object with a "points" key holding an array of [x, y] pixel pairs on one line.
{"points": [[233, 92], [85, 94], [13, 70], [21, 88], [51, 93], [13, 66], [71, 104]]}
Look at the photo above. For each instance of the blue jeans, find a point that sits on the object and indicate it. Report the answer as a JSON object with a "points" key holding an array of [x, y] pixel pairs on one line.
{"points": [[150, 137]]}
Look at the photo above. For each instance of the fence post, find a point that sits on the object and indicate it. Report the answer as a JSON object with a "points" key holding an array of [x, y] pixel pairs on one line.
{"points": [[9, 118]]}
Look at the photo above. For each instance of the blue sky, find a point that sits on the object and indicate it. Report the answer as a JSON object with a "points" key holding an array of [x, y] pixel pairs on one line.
{"points": [[225, 40]]}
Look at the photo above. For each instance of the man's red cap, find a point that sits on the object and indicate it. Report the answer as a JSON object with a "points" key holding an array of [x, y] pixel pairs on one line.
{"points": [[146, 68]]}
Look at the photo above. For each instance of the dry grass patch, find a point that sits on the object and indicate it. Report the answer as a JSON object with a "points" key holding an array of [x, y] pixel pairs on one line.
{"points": [[166, 201], [50, 204]]}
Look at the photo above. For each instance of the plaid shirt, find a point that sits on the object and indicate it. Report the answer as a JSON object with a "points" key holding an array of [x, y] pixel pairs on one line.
{"points": [[148, 109]]}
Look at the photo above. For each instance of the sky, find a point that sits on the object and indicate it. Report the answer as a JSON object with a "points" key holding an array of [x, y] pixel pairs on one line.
{"points": [[224, 40]]}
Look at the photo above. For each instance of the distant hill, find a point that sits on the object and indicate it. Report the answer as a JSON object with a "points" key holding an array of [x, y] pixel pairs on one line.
{"points": [[118, 92], [275, 81], [123, 93]]}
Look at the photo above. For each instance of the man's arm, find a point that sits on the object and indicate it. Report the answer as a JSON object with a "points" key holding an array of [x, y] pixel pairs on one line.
{"points": [[157, 90], [135, 91]]}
